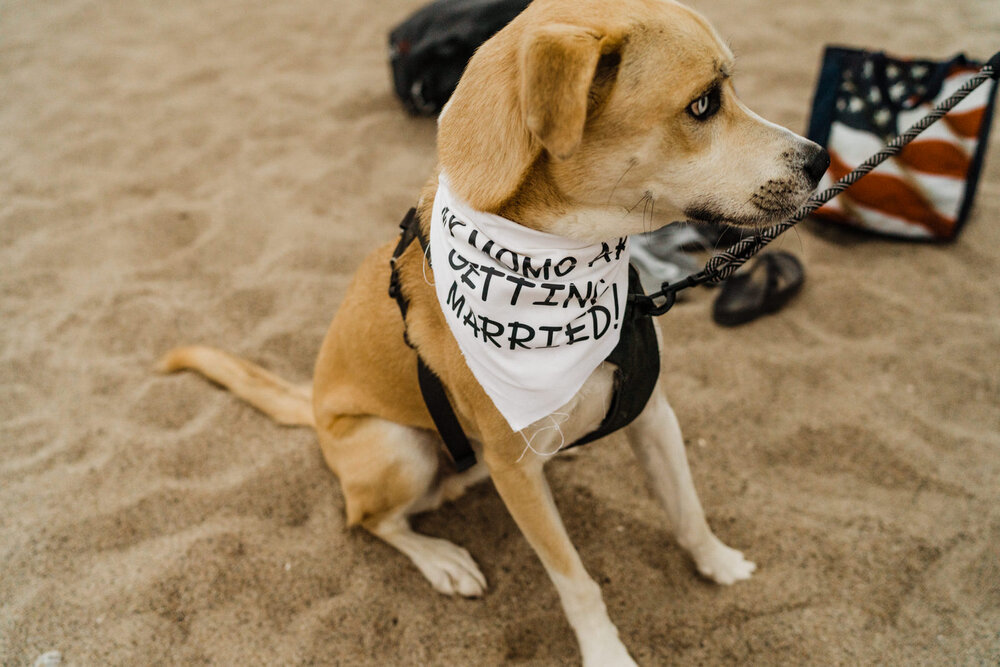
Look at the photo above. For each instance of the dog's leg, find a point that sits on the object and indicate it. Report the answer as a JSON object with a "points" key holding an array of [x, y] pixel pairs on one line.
{"points": [[526, 493], [388, 472], [450, 488], [655, 437]]}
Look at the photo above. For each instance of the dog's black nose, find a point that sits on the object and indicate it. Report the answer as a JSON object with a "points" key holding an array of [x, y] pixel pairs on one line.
{"points": [[816, 164]]}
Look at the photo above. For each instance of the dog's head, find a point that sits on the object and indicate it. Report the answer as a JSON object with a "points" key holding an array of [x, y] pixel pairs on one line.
{"points": [[593, 119]]}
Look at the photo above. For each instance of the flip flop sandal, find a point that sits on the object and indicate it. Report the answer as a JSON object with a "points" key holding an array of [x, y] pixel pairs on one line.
{"points": [[771, 282]]}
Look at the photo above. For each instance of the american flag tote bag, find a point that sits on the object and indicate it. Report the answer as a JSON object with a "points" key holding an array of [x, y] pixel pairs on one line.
{"points": [[864, 99]]}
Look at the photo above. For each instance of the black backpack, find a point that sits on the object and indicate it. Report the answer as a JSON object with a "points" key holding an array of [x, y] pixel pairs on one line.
{"points": [[429, 50]]}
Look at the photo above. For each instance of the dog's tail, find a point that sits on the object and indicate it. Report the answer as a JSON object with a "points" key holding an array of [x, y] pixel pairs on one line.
{"points": [[283, 401]]}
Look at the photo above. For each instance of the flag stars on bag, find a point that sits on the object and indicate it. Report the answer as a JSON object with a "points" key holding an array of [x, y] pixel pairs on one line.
{"points": [[865, 100], [896, 91]]}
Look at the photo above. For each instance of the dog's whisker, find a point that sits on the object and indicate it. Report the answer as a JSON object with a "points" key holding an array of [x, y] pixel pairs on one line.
{"points": [[628, 211], [718, 242], [798, 237], [631, 163]]}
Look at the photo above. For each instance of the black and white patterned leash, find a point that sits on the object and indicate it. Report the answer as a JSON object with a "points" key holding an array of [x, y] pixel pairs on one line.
{"points": [[723, 264]]}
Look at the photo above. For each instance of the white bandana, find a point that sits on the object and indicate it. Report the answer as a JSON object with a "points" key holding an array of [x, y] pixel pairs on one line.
{"points": [[533, 313]]}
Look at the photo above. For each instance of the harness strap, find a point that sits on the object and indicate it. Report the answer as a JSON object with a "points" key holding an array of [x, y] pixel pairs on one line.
{"points": [[637, 367], [410, 232], [444, 417], [431, 388]]}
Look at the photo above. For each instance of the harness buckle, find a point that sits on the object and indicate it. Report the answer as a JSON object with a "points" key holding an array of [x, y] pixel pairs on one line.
{"points": [[393, 279]]}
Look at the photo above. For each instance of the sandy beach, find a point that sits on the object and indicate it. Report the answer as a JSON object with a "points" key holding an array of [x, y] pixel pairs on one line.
{"points": [[191, 172]]}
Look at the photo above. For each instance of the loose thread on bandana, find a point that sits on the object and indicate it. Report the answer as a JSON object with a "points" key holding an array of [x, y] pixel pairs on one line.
{"points": [[426, 263], [556, 426]]}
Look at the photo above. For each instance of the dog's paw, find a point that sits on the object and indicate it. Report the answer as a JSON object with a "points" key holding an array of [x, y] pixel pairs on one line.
{"points": [[450, 569], [722, 564]]}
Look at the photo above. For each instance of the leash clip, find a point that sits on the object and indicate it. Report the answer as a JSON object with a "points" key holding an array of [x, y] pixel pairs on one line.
{"points": [[648, 305], [651, 306], [669, 294]]}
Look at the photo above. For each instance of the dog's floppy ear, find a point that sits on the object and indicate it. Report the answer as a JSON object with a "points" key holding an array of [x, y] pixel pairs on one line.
{"points": [[525, 90], [557, 68]]}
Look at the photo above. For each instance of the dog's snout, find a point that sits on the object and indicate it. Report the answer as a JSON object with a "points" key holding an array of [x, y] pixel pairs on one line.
{"points": [[816, 163]]}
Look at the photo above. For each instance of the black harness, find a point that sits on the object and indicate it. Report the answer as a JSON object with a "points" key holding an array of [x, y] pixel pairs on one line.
{"points": [[636, 358]]}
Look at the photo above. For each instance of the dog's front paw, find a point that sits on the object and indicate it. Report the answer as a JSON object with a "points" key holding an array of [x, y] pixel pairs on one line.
{"points": [[722, 564], [450, 568]]}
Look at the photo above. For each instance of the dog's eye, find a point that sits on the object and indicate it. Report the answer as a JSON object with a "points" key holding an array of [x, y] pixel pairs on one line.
{"points": [[705, 106], [700, 106]]}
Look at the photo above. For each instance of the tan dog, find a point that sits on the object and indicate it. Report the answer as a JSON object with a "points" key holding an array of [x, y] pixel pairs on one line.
{"points": [[562, 122]]}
